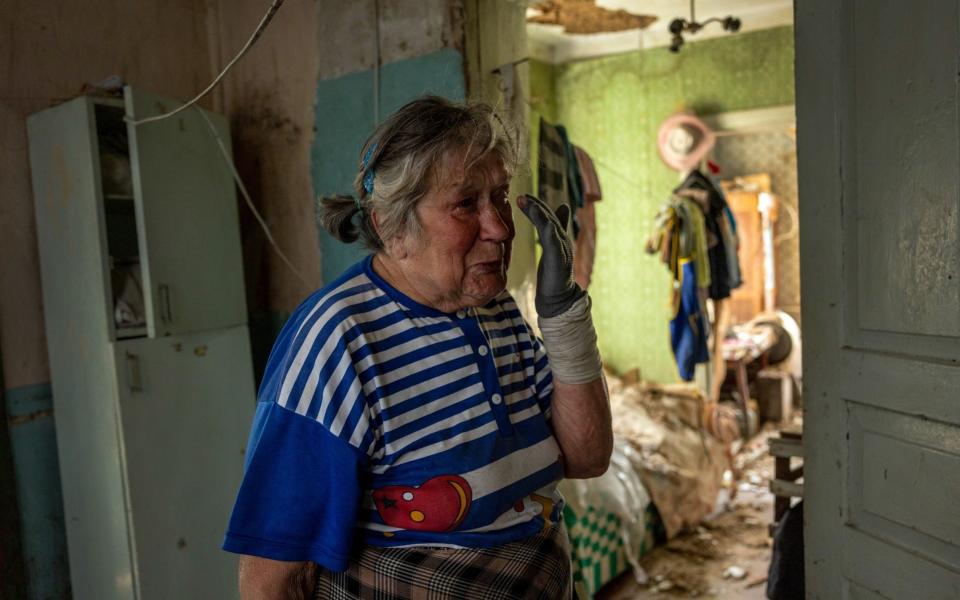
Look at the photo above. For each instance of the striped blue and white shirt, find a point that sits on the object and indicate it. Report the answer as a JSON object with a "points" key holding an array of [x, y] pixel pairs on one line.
{"points": [[386, 422]]}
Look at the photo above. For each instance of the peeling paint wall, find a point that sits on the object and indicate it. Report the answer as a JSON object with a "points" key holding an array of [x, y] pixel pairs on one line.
{"points": [[612, 107], [49, 51], [446, 47], [174, 48], [418, 55], [496, 36], [268, 98]]}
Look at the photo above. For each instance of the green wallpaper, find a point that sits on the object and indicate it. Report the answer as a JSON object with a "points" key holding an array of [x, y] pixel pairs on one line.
{"points": [[543, 89], [612, 107]]}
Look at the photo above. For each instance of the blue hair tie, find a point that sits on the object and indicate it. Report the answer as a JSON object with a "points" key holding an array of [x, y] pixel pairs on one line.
{"points": [[368, 177]]}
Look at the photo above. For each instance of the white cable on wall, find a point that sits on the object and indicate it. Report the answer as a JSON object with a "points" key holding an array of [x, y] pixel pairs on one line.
{"points": [[246, 196], [246, 47], [223, 149]]}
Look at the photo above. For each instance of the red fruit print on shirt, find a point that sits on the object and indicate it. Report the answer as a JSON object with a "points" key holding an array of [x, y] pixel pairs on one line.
{"points": [[438, 504]]}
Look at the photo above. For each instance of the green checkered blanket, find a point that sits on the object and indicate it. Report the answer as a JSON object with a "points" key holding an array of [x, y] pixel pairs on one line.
{"points": [[598, 551]]}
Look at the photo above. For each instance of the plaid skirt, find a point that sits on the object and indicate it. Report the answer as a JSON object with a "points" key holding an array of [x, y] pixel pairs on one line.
{"points": [[537, 567]]}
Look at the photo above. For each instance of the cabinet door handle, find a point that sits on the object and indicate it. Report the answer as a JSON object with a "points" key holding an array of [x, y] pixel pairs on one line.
{"points": [[133, 373], [166, 313]]}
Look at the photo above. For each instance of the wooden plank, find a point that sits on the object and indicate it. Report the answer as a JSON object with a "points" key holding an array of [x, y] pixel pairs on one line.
{"points": [[792, 431], [785, 447], [786, 488]]}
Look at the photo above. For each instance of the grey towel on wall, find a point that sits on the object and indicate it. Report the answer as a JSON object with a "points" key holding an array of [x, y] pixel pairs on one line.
{"points": [[552, 185]]}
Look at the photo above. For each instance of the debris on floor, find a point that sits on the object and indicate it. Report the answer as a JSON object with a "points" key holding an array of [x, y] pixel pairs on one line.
{"points": [[727, 556]]}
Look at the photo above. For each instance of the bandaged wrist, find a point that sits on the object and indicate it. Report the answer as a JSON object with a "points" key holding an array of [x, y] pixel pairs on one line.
{"points": [[571, 344]]}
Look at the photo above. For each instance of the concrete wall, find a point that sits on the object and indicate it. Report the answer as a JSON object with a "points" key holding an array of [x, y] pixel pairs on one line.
{"points": [[612, 107]]}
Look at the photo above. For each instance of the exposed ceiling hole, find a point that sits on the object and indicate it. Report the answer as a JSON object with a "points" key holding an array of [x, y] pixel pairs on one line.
{"points": [[584, 16]]}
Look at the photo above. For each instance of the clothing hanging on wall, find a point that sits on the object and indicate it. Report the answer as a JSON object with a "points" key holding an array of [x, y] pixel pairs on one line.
{"points": [[724, 267], [552, 183], [688, 328], [695, 236], [566, 175], [680, 239], [586, 242], [574, 181]]}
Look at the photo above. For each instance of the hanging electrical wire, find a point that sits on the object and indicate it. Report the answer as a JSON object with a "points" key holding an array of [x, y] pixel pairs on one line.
{"points": [[274, 7], [246, 196], [246, 47]]}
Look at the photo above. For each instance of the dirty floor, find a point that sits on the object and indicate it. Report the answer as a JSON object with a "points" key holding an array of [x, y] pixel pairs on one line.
{"points": [[726, 557]]}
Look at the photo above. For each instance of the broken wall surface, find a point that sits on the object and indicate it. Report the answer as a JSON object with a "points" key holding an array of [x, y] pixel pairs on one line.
{"points": [[613, 107]]}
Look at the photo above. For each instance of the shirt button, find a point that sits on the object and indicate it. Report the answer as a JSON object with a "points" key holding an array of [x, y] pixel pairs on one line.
{"points": [[496, 398], [483, 350], [461, 314]]}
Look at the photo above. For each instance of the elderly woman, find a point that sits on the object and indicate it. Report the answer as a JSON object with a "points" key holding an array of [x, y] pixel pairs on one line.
{"points": [[411, 430]]}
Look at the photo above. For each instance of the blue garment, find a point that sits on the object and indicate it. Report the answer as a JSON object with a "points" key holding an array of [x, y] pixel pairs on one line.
{"points": [[386, 421], [688, 328]]}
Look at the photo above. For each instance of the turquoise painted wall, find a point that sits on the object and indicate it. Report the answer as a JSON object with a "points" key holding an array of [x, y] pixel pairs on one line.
{"points": [[344, 119], [612, 107], [33, 444], [12, 576]]}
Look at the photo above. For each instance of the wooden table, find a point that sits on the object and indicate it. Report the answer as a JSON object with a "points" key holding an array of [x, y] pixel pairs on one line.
{"points": [[737, 355]]}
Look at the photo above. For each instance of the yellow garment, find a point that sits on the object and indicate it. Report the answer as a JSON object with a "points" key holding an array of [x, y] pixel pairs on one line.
{"points": [[699, 255], [680, 234]]}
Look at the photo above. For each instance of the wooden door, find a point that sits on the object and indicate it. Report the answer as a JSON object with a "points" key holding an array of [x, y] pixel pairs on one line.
{"points": [[743, 196], [186, 218], [877, 102], [185, 408]]}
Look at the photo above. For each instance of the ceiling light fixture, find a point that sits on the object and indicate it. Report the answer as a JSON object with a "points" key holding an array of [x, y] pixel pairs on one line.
{"points": [[678, 26]]}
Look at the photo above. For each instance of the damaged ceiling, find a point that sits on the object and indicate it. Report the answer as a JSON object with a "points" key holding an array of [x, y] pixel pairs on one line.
{"points": [[584, 16], [560, 31]]}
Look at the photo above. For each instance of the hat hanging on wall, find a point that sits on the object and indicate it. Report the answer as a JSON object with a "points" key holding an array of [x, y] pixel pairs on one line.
{"points": [[683, 141]]}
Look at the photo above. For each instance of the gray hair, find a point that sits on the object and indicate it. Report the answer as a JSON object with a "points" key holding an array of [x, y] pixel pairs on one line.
{"points": [[405, 153]]}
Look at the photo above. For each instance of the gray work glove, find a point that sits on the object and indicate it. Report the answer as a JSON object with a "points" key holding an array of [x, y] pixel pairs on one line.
{"points": [[556, 289]]}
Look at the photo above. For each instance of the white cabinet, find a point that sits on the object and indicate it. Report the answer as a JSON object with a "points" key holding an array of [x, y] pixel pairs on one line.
{"points": [[149, 351], [186, 219]]}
